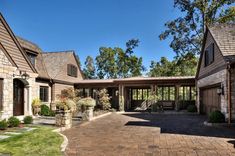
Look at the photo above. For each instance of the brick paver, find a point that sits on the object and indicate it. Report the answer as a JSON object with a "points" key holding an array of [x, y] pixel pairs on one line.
{"points": [[148, 135]]}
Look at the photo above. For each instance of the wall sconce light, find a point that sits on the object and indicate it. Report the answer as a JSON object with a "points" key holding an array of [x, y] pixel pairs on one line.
{"points": [[220, 91], [24, 76]]}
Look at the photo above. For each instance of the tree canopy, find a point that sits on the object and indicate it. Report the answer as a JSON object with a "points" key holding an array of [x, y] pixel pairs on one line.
{"points": [[187, 31], [179, 66], [114, 62], [89, 71]]}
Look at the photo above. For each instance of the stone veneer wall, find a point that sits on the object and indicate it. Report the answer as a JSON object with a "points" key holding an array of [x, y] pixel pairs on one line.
{"points": [[6, 73], [219, 77]]}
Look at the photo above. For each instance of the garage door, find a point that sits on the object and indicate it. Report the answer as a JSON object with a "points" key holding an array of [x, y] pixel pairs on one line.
{"points": [[210, 100]]}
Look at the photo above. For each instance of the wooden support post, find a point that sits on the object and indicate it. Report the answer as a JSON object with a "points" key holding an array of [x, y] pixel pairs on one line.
{"points": [[177, 97], [121, 98]]}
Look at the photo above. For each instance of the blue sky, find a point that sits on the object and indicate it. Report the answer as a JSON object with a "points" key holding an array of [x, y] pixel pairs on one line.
{"points": [[86, 25]]}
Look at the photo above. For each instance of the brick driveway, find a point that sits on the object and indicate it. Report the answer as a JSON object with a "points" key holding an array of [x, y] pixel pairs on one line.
{"points": [[149, 134]]}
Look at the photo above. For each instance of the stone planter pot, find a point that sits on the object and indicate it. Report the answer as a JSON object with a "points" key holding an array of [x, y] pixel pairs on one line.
{"points": [[53, 106], [36, 110], [63, 118], [89, 113]]}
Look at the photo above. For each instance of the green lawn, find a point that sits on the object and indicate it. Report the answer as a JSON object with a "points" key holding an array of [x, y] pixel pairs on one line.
{"points": [[41, 141]]}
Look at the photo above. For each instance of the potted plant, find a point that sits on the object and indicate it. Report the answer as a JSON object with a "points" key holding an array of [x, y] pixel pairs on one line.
{"points": [[36, 106], [89, 104], [64, 109]]}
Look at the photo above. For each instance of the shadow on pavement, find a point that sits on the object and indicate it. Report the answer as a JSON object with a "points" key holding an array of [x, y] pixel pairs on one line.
{"points": [[180, 124]]}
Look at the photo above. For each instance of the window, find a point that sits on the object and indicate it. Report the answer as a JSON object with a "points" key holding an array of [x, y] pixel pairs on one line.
{"points": [[187, 93], [44, 93], [32, 58], [166, 93], [134, 94], [209, 54], [140, 94], [72, 70]]}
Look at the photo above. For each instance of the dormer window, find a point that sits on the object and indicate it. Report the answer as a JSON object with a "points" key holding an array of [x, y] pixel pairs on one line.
{"points": [[32, 58], [209, 55], [72, 70]]}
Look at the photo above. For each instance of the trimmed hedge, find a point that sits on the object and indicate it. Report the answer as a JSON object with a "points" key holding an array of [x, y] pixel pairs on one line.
{"points": [[192, 108], [46, 111], [13, 122], [216, 117], [28, 120], [3, 124]]}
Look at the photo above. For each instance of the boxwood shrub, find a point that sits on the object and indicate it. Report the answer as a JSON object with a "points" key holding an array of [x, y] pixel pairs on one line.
{"points": [[28, 120], [216, 117], [3, 124], [45, 110], [13, 122], [192, 108]]}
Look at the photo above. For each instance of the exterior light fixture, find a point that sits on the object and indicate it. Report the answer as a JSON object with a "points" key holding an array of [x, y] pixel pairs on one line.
{"points": [[25, 76], [220, 91]]}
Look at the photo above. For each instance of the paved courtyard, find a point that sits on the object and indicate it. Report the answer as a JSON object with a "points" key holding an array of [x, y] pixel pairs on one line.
{"points": [[150, 134]]}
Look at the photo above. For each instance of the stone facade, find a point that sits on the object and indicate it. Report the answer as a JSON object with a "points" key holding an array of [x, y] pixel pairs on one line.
{"points": [[8, 72], [64, 119], [219, 77]]}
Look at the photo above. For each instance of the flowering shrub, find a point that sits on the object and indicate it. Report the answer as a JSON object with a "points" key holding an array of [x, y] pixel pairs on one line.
{"points": [[87, 102], [104, 99], [65, 104]]}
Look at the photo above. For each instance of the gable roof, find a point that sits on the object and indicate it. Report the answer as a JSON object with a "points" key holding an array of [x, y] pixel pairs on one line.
{"points": [[21, 53], [39, 63], [7, 55], [26, 44], [55, 60], [224, 37]]}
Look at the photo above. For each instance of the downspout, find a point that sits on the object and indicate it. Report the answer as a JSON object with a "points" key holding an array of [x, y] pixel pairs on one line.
{"points": [[229, 92]]}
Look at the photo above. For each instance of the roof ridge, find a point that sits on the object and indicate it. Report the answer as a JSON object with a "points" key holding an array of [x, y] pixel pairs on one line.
{"points": [[65, 51]]}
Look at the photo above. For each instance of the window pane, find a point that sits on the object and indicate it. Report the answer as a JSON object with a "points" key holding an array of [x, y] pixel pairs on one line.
{"points": [[87, 92], [187, 93], [145, 94], [134, 94], [165, 93], [172, 93], [139, 94], [181, 95], [193, 93], [159, 93]]}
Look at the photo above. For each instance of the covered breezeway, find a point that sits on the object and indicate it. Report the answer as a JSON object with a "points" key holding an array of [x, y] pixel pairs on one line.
{"points": [[130, 93]]}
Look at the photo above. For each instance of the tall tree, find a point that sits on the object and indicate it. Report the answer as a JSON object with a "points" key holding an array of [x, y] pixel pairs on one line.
{"points": [[106, 63], [89, 70], [179, 66], [116, 62], [187, 32]]}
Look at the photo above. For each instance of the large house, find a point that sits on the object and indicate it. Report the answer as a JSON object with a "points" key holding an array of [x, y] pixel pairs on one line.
{"points": [[216, 71], [26, 72]]}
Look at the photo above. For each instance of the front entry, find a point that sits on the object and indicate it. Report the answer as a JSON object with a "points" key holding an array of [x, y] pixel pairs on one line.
{"points": [[18, 97]]}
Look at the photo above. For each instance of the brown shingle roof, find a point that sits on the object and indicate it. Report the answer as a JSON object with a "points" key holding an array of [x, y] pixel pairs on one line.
{"points": [[40, 66], [55, 60], [224, 35], [100, 81], [29, 45]]}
